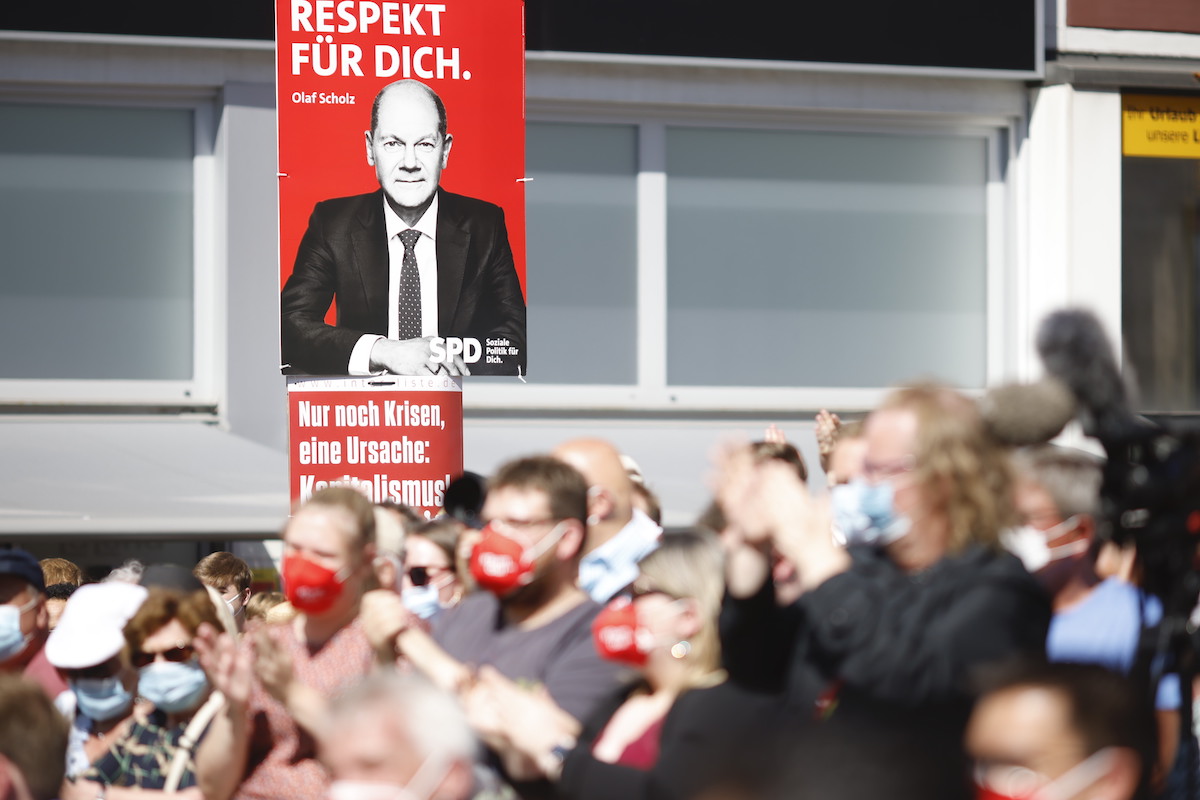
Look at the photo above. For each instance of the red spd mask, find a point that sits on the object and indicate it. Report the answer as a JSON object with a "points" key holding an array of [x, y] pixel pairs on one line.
{"points": [[310, 587], [501, 564], [619, 637]]}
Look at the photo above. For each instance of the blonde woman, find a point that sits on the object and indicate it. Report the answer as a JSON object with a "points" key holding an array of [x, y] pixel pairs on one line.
{"points": [[668, 726]]}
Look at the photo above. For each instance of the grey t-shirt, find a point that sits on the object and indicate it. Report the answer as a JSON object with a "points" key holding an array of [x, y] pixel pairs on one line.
{"points": [[559, 654]]}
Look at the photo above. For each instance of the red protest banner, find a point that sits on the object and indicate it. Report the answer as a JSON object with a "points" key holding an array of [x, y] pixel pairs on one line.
{"points": [[443, 154], [394, 438]]}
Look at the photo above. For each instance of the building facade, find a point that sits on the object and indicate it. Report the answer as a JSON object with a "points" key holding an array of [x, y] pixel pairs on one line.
{"points": [[733, 219]]}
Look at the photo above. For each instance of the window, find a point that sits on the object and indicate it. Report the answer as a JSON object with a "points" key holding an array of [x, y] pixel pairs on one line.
{"points": [[1160, 294], [675, 265], [824, 259], [581, 206], [97, 208]]}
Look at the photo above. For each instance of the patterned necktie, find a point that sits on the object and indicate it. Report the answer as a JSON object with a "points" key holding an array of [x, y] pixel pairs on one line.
{"points": [[410, 288]]}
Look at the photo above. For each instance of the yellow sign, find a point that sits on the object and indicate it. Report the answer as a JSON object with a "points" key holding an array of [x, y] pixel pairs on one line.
{"points": [[1160, 126]]}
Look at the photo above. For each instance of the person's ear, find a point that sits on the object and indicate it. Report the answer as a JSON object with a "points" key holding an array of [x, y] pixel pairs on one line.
{"points": [[369, 554], [571, 543], [370, 150], [41, 620], [387, 571], [600, 504], [447, 140], [1086, 526], [13, 785], [689, 618]]}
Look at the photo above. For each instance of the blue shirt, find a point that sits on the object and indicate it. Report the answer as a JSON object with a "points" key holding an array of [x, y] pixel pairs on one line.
{"points": [[1105, 629]]}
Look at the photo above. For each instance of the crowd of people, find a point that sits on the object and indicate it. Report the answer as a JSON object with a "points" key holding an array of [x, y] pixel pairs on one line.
{"points": [[944, 621]]}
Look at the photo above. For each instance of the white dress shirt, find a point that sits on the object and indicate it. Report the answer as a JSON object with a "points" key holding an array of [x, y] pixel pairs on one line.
{"points": [[426, 253]]}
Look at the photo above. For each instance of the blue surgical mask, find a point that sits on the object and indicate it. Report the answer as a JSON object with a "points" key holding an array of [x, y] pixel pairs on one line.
{"points": [[866, 514], [172, 687], [101, 698], [424, 601], [845, 502], [12, 639]]}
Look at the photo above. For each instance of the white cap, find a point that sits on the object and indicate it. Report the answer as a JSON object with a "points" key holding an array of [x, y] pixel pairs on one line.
{"points": [[91, 629]]}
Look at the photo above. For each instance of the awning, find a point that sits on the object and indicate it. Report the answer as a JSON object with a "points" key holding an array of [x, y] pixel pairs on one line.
{"points": [[137, 479]]}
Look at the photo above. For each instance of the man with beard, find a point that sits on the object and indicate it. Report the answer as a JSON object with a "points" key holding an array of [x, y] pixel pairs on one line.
{"points": [[529, 626]]}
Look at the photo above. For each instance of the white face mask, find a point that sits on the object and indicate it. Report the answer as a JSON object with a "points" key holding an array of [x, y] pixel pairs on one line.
{"points": [[421, 786], [1070, 784], [1030, 544]]}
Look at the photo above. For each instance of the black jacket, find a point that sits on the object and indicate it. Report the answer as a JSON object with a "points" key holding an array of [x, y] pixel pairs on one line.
{"points": [[716, 741], [876, 666]]}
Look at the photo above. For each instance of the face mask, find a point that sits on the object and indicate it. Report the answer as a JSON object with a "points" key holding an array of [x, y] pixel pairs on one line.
{"points": [[234, 609], [1065, 786], [423, 783], [619, 636], [845, 502], [501, 564], [101, 698], [865, 513], [12, 640], [172, 687], [310, 587], [424, 601], [1030, 544]]}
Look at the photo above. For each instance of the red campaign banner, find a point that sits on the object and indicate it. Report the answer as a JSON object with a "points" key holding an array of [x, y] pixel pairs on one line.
{"points": [[393, 438], [349, 177]]}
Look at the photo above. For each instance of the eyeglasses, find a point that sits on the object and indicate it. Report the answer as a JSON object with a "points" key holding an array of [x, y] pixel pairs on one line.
{"points": [[420, 576], [176, 655], [520, 525], [877, 472]]}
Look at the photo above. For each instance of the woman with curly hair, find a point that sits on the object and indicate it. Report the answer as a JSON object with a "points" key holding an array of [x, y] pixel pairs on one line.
{"points": [[876, 655], [158, 640]]}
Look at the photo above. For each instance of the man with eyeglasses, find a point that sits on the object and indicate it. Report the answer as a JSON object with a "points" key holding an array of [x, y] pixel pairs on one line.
{"points": [[530, 624], [25, 622], [878, 649], [1057, 732]]}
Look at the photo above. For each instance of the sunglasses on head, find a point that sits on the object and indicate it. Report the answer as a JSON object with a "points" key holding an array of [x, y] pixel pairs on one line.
{"points": [[176, 655], [420, 576]]}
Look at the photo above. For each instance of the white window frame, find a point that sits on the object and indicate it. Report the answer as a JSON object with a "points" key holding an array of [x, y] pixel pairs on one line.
{"points": [[200, 393], [652, 393]]}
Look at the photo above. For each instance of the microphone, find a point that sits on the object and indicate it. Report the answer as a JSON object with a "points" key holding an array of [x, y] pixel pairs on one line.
{"points": [[1022, 414], [1075, 349]]}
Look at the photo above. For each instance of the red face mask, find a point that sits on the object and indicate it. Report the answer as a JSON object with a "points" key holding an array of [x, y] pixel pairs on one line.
{"points": [[310, 587], [619, 637], [501, 564], [983, 793]]}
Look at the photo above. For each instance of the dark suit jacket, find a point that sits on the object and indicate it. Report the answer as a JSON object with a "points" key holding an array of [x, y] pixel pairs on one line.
{"points": [[344, 255]]}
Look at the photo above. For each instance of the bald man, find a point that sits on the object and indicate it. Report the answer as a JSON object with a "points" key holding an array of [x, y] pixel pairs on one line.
{"points": [[619, 535], [407, 265]]}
